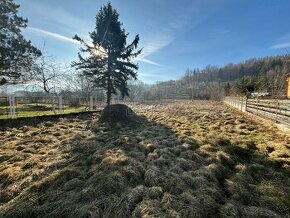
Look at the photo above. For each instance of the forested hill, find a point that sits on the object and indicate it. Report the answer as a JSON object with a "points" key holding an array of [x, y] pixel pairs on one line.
{"points": [[234, 72], [266, 74]]}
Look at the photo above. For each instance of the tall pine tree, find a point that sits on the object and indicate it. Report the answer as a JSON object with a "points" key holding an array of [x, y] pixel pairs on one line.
{"points": [[108, 60], [16, 53]]}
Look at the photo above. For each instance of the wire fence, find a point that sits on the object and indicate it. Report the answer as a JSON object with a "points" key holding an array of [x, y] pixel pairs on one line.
{"points": [[12, 107], [277, 110]]}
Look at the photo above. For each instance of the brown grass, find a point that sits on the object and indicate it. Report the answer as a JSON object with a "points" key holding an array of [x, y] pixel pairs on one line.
{"points": [[185, 159]]}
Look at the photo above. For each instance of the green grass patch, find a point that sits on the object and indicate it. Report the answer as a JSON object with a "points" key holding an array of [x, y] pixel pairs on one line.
{"points": [[33, 110]]}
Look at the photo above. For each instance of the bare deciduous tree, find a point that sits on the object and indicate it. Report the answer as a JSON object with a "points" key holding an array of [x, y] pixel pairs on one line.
{"points": [[137, 89], [47, 73], [277, 81]]}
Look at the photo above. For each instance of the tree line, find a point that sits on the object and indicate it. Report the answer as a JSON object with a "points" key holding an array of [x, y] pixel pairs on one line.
{"points": [[265, 75]]}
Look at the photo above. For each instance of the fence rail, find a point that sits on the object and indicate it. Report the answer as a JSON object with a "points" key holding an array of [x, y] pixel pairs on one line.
{"points": [[277, 110]]}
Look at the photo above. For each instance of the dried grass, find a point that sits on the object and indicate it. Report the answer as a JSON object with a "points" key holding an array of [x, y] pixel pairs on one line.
{"points": [[185, 159]]}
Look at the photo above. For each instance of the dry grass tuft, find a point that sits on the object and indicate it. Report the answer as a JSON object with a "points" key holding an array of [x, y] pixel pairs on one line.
{"points": [[229, 210], [155, 192], [258, 212]]}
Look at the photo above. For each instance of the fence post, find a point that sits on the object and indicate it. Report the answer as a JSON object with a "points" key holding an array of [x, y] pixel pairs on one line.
{"points": [[243, 104], [257, 102], [12, 110], [14, 106], [277, 108], [60, 105], [91, 103]]}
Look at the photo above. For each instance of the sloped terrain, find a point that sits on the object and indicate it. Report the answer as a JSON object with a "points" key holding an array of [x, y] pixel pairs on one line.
{"points": [[185, 159]]}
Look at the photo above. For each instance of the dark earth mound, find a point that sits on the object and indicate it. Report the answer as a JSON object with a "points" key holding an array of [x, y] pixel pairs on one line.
{"points": [[117, 113]]}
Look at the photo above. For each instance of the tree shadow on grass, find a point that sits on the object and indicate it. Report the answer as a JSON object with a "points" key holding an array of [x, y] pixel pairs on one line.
{"points": [[146, 169]]}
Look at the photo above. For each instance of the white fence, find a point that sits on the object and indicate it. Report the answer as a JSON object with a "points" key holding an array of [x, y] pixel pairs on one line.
{"points": [[12, 107], [277, 110], [238, 102]]}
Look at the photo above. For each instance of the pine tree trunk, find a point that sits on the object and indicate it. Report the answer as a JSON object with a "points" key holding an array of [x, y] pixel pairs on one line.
{"points": [[109, 91], [109, 97]]}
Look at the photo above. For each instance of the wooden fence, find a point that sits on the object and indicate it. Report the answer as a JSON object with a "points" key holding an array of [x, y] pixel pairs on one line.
{"points": [[273, 109]]}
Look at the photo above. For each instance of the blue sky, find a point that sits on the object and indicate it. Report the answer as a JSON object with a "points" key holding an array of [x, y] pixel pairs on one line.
{"points": [[175, 35]]}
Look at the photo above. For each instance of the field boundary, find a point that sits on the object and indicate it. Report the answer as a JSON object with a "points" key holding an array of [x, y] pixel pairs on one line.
{"points": [[20, 121], [15, 107], [275, 110]]}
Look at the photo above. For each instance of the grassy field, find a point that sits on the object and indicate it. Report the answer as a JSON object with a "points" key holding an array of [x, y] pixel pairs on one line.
{"points": [[185, 159], [33, 110]]}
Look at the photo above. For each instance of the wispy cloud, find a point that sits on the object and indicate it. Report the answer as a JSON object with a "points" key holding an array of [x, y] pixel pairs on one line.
{"points": [[62, 38], [161, 38], [155, 43], [158, 35], [52, 35], [283, 42], [193, 15], [55, 17], [65, 22], [160, 41], [281, 45], [148, 62], [158, 38]]}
